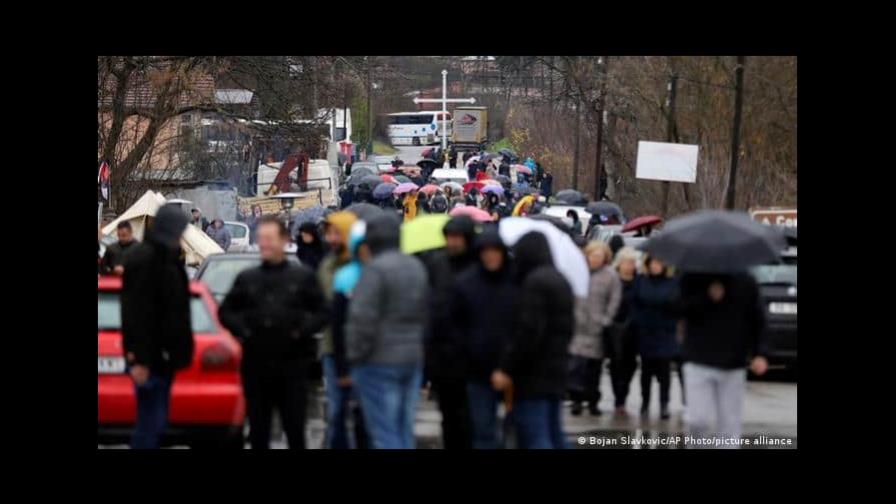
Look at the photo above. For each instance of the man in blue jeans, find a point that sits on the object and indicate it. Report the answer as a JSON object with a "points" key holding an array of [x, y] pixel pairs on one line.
{"points": [[384, 335], [481, 334], [155, 322], [534, 362]]}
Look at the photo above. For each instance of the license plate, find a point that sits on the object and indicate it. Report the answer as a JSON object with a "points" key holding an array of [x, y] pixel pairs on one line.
{"points": [[782, 308], [110, 365]]}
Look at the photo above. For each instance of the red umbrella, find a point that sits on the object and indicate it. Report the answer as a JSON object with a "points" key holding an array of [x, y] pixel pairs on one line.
{"points": [[477, 214], [644, 220], [470, 185], [388, 178], [429, 189]]}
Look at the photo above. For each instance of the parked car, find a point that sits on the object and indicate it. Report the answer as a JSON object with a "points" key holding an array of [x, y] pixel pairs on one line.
{"points": [[778, 291], [207, 406], [219, 271], [239, 234], [560, 212]]}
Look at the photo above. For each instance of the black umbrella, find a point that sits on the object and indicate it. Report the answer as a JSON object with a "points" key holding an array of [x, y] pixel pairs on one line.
{"points": [[570, 197], [715, 241], [312, 214], [605, 208], [364, 210], [360, 170], [371, 180], [428, 163]]}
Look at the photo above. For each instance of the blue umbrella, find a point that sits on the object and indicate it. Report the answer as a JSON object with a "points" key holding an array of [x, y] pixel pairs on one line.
{"points": [[493, 189], [383, 190]]}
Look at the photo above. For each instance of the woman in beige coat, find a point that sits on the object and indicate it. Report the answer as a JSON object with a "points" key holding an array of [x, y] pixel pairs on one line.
{"points": [[594, 314]]}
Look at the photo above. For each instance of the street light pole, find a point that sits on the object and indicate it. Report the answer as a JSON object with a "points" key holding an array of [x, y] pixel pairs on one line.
{"points": [[444, 111], [369, 110]]}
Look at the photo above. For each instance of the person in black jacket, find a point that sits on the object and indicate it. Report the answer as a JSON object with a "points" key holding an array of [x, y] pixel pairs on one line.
{"points": [[116, 253], [654, 301], [482, 315], [441, 367], [274, 310], [723, 330], [459, 234], [155, 322], [310, 247], [534, 362]]}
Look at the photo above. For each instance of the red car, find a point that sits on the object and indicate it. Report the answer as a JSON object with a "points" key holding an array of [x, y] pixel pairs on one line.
{"points": [[207, 406]]}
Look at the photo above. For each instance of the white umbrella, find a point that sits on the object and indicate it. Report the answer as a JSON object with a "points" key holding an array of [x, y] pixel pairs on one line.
{"points": [[472, 159], [568, 258]]}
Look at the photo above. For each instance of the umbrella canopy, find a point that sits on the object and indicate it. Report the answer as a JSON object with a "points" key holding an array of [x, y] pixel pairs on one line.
{"points": [[423, 233], [371, 180], [493, 189], [503, 179], [384, 190], [311, 214], [644, 220], [429, 189], [522, 169], [715, 241], [568, 258], [388, 178], [401, 179], [603, 208], [570, 197], [507, 152], [364, 211], [525, 200], [428, 163], [477, 214], [491, 182], [405, 187], [471, 160], [453, 185], [361, 170], [470, 185]]}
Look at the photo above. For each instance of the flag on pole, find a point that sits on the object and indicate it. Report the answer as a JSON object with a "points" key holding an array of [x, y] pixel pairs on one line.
{"points": [[102, 179]]}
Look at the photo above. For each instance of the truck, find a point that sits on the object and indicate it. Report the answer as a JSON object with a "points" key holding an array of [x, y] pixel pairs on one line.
{"points": [[470, 129]]}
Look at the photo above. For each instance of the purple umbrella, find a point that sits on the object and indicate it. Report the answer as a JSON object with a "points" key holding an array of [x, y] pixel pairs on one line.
{"points": [[493, 189], [406, 187], [384, 190]]}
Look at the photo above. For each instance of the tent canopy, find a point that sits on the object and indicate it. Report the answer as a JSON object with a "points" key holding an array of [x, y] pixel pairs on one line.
{"points": [[195, 244]]}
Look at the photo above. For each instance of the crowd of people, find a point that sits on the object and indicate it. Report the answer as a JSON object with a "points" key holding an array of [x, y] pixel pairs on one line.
{"points": [[492, 330]]}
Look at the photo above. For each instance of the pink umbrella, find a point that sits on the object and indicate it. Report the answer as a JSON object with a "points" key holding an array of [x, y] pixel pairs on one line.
{"points": [[429, 189], [477, 214], [405, 187], [388, 178], [522, 169], [489, 182]]}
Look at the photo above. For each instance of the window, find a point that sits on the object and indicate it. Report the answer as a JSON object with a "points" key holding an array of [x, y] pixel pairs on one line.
{"points": [[412, 119], [109, 313]]}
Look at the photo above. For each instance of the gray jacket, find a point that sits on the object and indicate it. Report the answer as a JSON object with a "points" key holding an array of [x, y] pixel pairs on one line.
{"points": [[388, 311], [595, 313], [221, 236]]}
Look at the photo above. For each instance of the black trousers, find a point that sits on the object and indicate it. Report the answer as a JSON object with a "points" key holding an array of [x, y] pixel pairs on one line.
{"points": [[661, 368], [590, 392], [264, 391], [679, 366], [457, 428], [622, 350]]}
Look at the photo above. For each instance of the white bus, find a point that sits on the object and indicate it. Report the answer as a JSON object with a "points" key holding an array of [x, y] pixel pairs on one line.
{"points": [[418, 128]]}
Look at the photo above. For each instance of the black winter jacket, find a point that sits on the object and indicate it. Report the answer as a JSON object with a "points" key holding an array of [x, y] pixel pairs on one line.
{"points": [[274, 310], [536, 357]]}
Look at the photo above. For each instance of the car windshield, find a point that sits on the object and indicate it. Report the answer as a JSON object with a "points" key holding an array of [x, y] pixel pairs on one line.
{"points": [[219, 275], [775, 273], [236, 231], [109, 313]]}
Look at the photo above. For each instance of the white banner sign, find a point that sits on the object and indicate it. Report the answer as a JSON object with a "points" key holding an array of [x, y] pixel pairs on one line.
{"points": [[667, 161]]}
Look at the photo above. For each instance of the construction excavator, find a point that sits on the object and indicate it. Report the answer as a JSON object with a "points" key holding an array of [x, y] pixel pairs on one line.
{"points": [[281, 181]]}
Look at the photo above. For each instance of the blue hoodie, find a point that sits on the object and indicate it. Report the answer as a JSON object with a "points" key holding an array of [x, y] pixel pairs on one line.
{"points": [[344, 281]]}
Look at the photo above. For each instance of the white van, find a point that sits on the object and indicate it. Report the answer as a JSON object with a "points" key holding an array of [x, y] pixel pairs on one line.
{"points": [[442, 175]]}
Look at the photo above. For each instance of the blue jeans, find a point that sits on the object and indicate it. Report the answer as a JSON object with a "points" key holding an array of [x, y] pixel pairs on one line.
{"points": [[389, 395], [538, 423], [483, 402], [337, 407], [152, 411]]}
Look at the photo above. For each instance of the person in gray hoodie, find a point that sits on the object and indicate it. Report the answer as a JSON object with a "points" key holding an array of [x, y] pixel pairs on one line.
{"points": [[384, 335], [219, 232]]}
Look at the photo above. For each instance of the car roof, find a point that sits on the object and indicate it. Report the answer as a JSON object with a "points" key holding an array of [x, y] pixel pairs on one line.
{"points": [[113, 283]]}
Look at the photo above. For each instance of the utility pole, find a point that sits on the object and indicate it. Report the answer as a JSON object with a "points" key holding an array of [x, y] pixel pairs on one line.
{"points": [[670, 124], [369, 108], [735, 133], [598, 159], [575, 157]]}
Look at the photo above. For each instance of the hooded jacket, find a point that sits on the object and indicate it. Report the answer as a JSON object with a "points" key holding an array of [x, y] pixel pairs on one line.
{"points": [[344, 282], [155, 298], [388, 311], [465, 226], [536, 356], [310, 254], [221, 235], [342, 222], [437, 343], [482, 313], [595, 313], [654, 304]]}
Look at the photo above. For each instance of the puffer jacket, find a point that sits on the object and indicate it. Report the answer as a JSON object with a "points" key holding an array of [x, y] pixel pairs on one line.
{"points": [[595, 313], [389, 311], [655, 306]]}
